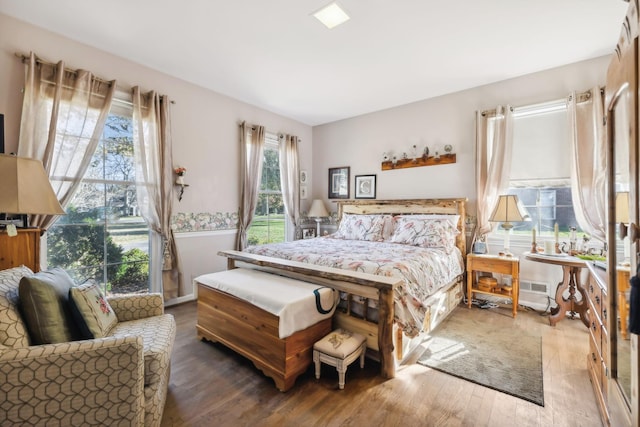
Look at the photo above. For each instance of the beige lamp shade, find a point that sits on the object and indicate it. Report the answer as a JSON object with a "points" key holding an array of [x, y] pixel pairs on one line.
{"points": [[25, 188], [622, 207], [509, 209], [317, 209]]}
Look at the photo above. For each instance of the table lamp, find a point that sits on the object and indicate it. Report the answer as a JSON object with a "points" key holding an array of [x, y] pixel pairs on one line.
{"points": [[318, 211], [507, 210], [25, 188]]}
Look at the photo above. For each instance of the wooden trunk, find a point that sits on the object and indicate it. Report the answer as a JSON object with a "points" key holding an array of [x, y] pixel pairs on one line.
{"points": [[253, 333]]}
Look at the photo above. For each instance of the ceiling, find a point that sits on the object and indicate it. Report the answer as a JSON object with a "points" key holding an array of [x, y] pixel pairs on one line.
{"points": [[275, 55]]}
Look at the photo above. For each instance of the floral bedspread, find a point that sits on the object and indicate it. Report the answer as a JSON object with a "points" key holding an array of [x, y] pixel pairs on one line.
{"points": [[422, 270]]}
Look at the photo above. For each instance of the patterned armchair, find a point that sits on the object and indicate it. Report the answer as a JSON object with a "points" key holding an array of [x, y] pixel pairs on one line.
{"points": [[121, 379]]}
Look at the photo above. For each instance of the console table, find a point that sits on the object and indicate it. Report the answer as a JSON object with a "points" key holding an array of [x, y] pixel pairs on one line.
{"points": [[571, 267]]}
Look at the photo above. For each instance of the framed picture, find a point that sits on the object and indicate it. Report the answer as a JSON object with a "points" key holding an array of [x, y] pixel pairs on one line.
{"points": [[303, 177], [365, 187], [303, 192], [308, 233], [339, 183]]}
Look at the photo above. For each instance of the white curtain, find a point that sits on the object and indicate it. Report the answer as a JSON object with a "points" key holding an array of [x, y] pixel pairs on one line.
{"points": [[494, 143], [588, 165], [154, 187], [63, 116], [251, 152], [290, 179]]}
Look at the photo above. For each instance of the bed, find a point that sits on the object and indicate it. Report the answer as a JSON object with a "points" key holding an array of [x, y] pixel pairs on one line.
{"points": [[388, 288]]}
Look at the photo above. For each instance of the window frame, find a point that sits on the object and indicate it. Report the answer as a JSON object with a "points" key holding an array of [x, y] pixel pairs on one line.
{"points": [[121, 106]]}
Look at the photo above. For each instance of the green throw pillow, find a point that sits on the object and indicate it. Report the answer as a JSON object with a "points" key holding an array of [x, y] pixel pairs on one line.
{"points": [[94, 316], [44, 300]]}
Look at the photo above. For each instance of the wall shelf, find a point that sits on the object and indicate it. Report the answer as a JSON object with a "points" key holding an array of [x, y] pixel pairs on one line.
{"points": [[443, 159]]}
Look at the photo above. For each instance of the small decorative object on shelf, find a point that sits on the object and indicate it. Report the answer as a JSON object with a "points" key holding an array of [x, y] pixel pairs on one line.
{"points": [[391, 162], [180, 181]]}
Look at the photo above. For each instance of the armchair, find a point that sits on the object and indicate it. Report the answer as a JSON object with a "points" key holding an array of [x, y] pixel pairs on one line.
{"points": [[121, 379]]}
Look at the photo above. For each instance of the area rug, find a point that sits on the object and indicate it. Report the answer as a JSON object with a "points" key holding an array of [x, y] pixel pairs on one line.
{"points": [[488, 350]]}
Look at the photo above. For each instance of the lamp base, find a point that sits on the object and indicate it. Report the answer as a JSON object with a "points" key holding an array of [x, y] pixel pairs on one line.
{"points": [[318, 221]]}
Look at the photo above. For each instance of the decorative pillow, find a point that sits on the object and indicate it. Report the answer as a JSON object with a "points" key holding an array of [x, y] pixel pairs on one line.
{"points": [[13, 331], [426, 232], [44, 299], [361, 227], [93, 314]]}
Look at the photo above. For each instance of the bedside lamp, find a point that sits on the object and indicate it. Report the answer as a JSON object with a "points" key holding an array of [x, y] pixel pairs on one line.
{"points": [[25, 188], [318, 211], [507, 210]]}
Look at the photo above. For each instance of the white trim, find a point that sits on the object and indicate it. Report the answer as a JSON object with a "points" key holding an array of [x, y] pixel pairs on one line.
{"points": [[189, 234], [180, 300]]}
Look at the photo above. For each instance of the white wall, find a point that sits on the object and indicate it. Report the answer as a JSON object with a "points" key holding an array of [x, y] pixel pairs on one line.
{"points": [[205, 135], [359, 142], [204, 127]]}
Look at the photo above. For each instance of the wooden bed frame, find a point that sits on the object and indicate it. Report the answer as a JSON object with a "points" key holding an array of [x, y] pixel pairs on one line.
{"points": [[380, 335]]}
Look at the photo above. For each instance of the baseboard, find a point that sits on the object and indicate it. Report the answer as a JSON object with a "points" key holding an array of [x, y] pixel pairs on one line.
{"points": [[180, 300]]}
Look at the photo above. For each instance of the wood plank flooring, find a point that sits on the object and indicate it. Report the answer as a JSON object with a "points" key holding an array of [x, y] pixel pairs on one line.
{"points": [[212, 386]]}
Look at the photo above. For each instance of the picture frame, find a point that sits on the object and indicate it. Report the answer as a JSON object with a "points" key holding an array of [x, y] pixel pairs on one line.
{"points": [[365, 187], [339, 182], [308, 233]]}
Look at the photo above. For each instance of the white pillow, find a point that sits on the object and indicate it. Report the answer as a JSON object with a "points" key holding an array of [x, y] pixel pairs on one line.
{"points": [[361, 227], [427, 232], [94, 315]]}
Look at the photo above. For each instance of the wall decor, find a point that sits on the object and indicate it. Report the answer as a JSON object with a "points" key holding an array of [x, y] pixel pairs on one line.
{"points": [[303, 192], [365, 186], [339, 183], [180, 171], [403, 161], [303, 177]]}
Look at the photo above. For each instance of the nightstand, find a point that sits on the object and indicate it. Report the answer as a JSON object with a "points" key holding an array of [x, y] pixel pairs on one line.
{"points": [[493, 264]]}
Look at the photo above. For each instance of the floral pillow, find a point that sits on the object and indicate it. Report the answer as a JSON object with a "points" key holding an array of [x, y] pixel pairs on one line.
{"points": [[94, 315], [427, 232], [361, 227]]}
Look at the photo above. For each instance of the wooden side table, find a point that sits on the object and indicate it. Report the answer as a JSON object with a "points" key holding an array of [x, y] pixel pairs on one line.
{"points": [[493, 264], [571, 267]]}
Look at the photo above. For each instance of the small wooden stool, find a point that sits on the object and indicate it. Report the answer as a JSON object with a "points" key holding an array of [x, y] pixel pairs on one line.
{"points": [[339, 349]]}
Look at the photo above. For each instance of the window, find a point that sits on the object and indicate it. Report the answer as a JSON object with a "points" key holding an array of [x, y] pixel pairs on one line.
{"points": [[102, 237], [540, 168], [269, 222]]}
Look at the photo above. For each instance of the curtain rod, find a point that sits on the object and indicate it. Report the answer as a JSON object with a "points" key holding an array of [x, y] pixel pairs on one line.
{"points": [[586, 95], [279, 135], [24, 58]]}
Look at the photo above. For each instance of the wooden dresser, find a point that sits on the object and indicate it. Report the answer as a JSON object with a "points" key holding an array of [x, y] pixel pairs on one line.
{"points": [[597, 359], [21, 249]]}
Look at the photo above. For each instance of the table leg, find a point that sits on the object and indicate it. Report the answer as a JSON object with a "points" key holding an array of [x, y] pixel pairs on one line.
{"points": [[571, 281]]}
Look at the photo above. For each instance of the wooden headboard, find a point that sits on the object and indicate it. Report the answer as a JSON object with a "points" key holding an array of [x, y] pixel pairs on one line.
{"points": [[411, 206]]}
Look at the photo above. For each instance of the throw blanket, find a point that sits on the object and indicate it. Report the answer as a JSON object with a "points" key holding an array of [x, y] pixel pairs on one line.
{"points": [[293, 301]]}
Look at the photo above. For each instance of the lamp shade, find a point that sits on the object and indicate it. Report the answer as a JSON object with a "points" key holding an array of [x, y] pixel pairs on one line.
{"points": [[622, 207], [509, 209], [25, 187], [317, 209]]}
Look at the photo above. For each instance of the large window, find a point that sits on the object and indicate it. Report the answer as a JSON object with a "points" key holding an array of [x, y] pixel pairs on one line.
{"points": [[540, 168], [102, 237], [269, 223]]}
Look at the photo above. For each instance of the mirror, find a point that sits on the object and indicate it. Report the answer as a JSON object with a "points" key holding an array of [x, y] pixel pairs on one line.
{"points": [[620, 128]]}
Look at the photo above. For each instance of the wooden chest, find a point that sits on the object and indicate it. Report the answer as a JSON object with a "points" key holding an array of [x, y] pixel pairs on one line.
{"points": [[253, 333]]}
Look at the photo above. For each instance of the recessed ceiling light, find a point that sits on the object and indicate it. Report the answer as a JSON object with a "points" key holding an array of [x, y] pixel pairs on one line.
{"points": [[331, 15]]}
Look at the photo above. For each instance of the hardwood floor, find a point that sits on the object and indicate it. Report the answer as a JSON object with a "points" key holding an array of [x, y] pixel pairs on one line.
{"points": [[212, 386]]}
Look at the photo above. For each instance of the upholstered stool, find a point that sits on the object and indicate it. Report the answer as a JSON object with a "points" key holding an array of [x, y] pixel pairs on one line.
{"points": [[339, 349]]}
